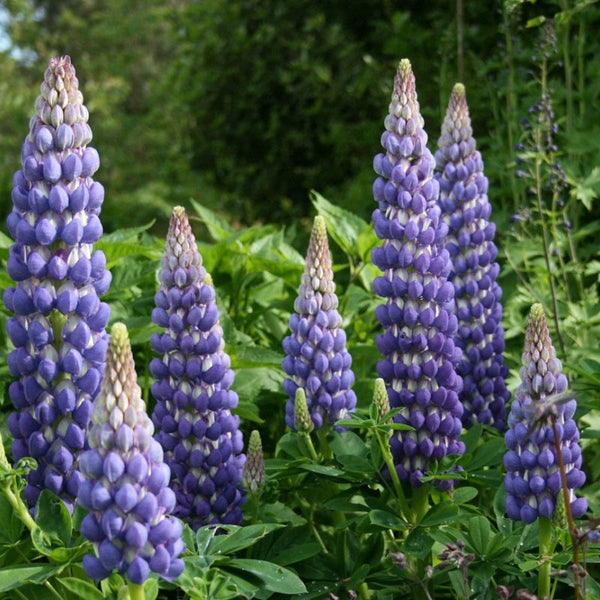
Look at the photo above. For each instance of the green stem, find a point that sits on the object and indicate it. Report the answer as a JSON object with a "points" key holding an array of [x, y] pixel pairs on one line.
{"points": [[20, 508], [48, 585], [309, 444], [420, 503], [571, 523], [545, 551], [324, 444], [581, 69], [389, 461], [136, 592]]}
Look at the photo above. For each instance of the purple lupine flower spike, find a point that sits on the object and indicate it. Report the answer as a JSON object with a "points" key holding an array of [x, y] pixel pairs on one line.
{"points": [[59, 328], [125, 484], [466, 210], [316, 357], [201, 438], [533, 480], [418, 346]]}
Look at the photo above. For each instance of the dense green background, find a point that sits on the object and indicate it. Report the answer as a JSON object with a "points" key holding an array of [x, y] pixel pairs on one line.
{"points": [[247, 105]]}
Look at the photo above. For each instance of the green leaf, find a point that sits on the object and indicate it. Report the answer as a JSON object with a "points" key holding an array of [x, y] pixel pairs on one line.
{"points": [[464, 494], [83, 589], [480, 531], [343, 226], [444, 512], [13, 577], [240, 537], [274, 577], [151, 589], [418, 543], [53, 518], [218, 228], [322, 470], [125, 234], [386, 520]]}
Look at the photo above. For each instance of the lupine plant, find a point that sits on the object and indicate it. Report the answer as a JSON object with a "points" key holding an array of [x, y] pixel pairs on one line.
{"points": [[543, 460], [58, 327], [316, 356], [126, 481], [420, 361], [466, 211], [193, 418], [161, 508]]}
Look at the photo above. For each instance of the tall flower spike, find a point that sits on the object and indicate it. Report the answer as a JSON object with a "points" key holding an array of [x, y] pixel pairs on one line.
{"points": [[316, 357], [59, 328], [200, 436], [533, 480], [466, 210], [126, 481], [420, 355]]}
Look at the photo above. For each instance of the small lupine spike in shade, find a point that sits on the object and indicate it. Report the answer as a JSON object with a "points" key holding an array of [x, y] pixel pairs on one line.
{"points": [[194, 424], [58, 327], [470, 241], [533, 480], [418, 347], [316, 356], [380, 399], [302, 420], [125, 484], [253, 475]]}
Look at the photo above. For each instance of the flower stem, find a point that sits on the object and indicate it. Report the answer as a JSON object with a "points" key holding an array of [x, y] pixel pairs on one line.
{"points": [[389, 461], [545, 550], [309, 444], [136, 592], [324, 444], [420, 504], [20, 508], [571, 523]]}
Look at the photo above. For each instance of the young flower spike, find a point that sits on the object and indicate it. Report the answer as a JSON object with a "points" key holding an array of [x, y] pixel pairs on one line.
{"points": [[200, 436], [126, 481], [316, 357], [253, 474], [59, 328], [420, 355], [466, 210], [533, 479]]}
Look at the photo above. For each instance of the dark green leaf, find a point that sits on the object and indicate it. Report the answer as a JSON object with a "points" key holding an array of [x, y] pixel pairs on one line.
{"points": [[464, 494], [240, 537], [274, 577], [386, 520], [442, 513], [12, 527], [480, 531], [418, 543]]}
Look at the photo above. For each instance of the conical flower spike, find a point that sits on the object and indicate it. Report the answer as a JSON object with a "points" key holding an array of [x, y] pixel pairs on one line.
{"points": [[533, 480], [420, 355], [316, 357], [126, 481], [302, 421], [253, 476], [58, 331], [380, 399], [193, 419], [466, 210]]}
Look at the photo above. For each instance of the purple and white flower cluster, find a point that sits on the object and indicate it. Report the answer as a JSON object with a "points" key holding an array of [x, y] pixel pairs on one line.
{"points": [[466, 210], [533, 480], [59, 325], [125, 484], [316, 356], [200, 436], [418, 314]]}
